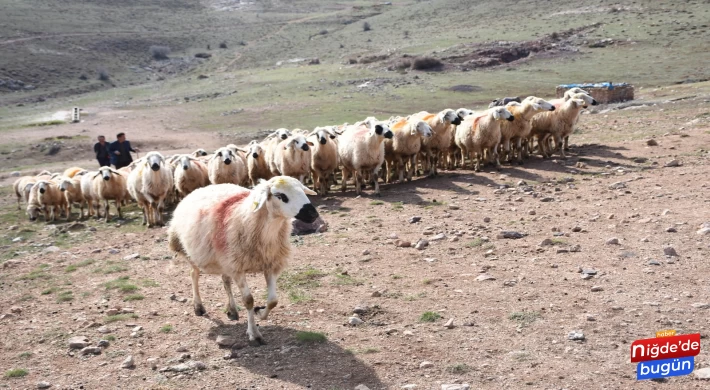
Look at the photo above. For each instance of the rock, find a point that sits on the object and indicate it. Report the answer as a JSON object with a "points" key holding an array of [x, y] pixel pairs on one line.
{"points": [[703, 373], [449, 324], [421, 244], [103, 329], [43, 385], [426, 364], [591, 317], [225, 341], [576, 336], [673, 163], [484, 277], [612, 241], [402, 244], [361, 387], [511, 235], [575, 248], [17, 239], [453, 207], [51, 249], [192, 365], [597, 288], [13, 227], [463, 386], [532, 212], [704, 231], [671, 230], [438, 237], [355, 321], [701, 305], [486, 219], [152, 362], [670, 251], [361, 309], [16, 310], [588, 271], [128, 362], [617, 185], [415, 219], [547, 199], [103, 344], [652, 142], [645, 239], [90, 351], [113, 251], [453, 239], [576, 229], [376, 294], [15, 174], [365, 252], [409, 387], [78, 342], [546, 242], [132, 256], [301, 228], [653, 262]]}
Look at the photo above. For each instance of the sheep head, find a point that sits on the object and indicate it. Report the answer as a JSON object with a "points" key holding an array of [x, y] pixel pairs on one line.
{"points": [[286, 197], [298, 141], [255, 150], [154, 160], [106, 172], [42, 186], [199, 152], [586, 97], [501, 113], [185, 161], [225, 154], [422, 128], [463, 113], [65, 183], [539, 104], [449, 116]]}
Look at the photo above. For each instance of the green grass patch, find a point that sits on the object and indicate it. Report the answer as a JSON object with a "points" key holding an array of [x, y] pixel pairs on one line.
{"points": [[25, 355], [376, 203], [460, 368], [45, 123], [411, 298], [433, 203], [475, 243], [111, 267], [167, 328], [342, 279], [395, 277], [122, 284], [429, 316], [16, 373], [149, 283], [133, 297], [427, 281], [35, 274], [25, 298], [311, 337], [295, 283], [74, 267], [299, 296], [397, 206], [119, 317], [524, 318], [65, 296], [50, 290], [109, 338], [558, 241]]}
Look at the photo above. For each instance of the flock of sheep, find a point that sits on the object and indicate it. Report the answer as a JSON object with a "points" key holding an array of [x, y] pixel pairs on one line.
{"points": [[402, 145], [223, 228]]}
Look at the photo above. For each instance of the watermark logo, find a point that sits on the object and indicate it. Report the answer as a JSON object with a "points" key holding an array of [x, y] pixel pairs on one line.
{"points": [[665, 355]]}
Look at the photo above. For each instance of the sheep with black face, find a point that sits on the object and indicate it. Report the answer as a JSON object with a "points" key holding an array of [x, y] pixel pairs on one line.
{"points": [[292, 157], [231, 231], [108, 184], [189, 174], [226, 167], [324, 157], [149, 184], [361, 149]]}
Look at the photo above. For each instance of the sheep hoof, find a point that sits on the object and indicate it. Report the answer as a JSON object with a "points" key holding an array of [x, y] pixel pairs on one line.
{"points": [[200, 310], [520, 163], [258, 308], [233, 316], [257, 342]]}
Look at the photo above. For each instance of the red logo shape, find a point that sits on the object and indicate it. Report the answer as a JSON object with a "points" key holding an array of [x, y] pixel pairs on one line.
{"points": [[665, 347]]}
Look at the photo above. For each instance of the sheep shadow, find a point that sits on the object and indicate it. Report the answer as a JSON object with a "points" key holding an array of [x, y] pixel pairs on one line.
{"points": [[319, 364]]}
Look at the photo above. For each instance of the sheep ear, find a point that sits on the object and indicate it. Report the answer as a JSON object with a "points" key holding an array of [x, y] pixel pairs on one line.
{"points": [[262, 198], [536, 106], [309, 143], [115, 172], [242, 150], [97, 174], [308, 191]]}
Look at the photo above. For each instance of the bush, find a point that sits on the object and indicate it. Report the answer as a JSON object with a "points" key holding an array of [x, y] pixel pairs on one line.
{"points": [[426, 63], [366, 26], [103, 74], [159, 52], [223, 45]]}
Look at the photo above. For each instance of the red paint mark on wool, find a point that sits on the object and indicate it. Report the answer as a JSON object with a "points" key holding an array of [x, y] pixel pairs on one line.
{"points": [[475, 121], [222, 211]]}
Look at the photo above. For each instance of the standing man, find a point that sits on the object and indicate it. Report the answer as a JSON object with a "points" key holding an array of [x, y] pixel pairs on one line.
{"points": [[121, 151], [101, 151]]}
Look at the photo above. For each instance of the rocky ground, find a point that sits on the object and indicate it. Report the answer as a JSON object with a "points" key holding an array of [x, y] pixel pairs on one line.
{"points": [[535, 277]]}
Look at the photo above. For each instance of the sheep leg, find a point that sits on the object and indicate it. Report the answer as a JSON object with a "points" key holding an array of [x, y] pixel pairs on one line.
{"points": [[118, 207], [106, 209], [356, 177], [97, 206], [145, 216], [344, 184], [567, 143], [252, 331], [412, 167], [196, 299], [400, 167], [559, 146], [161, 208], [232, 312], [272, 299]]}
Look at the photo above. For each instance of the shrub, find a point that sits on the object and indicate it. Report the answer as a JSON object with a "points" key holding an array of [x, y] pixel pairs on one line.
{"points": [[16, 373], [223, 45], [429, 316], [366, 26], [159, 52], [310, 337], [103, 74], [426, 63], [167, 328]]}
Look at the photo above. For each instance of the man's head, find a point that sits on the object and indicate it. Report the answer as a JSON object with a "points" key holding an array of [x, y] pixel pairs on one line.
{"points": [[121, 137], [102, 139]]}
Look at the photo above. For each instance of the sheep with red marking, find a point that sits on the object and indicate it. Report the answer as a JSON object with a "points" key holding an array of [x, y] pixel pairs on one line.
{"points": [[149, 184], [479, 133], [231, 231], [403, 148]]}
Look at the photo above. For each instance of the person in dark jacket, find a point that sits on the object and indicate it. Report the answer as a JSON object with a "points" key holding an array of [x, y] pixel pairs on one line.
{"points": [[101, 151], [121, 151]]}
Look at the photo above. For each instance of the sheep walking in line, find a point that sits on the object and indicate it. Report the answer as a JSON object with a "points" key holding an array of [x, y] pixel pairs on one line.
{"points": [[440, 124], [480, 133], [71, 187], [149, 184], [292, 157], [190, 174], [403, 148], [269, 144], [231, 231], [257, 166], [226, 167], [22, 187], [50, 197], [519, 129], [450, 157], [577, 93], [361, 149], [71, 172], [324, 158], [108, 184], [554, 125], [87, 188], [33, 206]]}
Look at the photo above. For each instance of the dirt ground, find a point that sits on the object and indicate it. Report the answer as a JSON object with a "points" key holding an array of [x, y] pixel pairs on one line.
{"points": [[513, 301]]}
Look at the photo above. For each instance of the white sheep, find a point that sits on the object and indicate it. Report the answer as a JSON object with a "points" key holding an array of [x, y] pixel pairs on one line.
{"points": [[555, 125], [361, 149], [449, 158], [22, 187], [71, 187], [269, 144], [324, 158], [519, 129], [50, 197], [226, 167], [108, 184], [33, 206], [199, 153], [292, 157], [231, 231], [440, 124], [404, 146], [257, 166], [86, 184], [149, 183], [481, 132], [189, 175]]}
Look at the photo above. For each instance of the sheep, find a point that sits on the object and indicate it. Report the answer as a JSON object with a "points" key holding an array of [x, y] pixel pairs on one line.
{"points": [[361, 148], [189, 175], [504, 101], [86, 184], [269, 144], [404, 146], [257, 166], [240, 154], [108, 184], [71, 187], [450, 156], [578, 93], [21, 188], [519, 129], [292, 157], [440, 140], [70, 172], [225, 167], [199, 153], [149, 184], [481, 132], [555, 125], [232, 231], [50, 197], [33, 205], [324, 158]]}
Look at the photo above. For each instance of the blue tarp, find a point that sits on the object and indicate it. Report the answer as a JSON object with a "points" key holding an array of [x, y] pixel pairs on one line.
{"points": [[597, 85]]}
